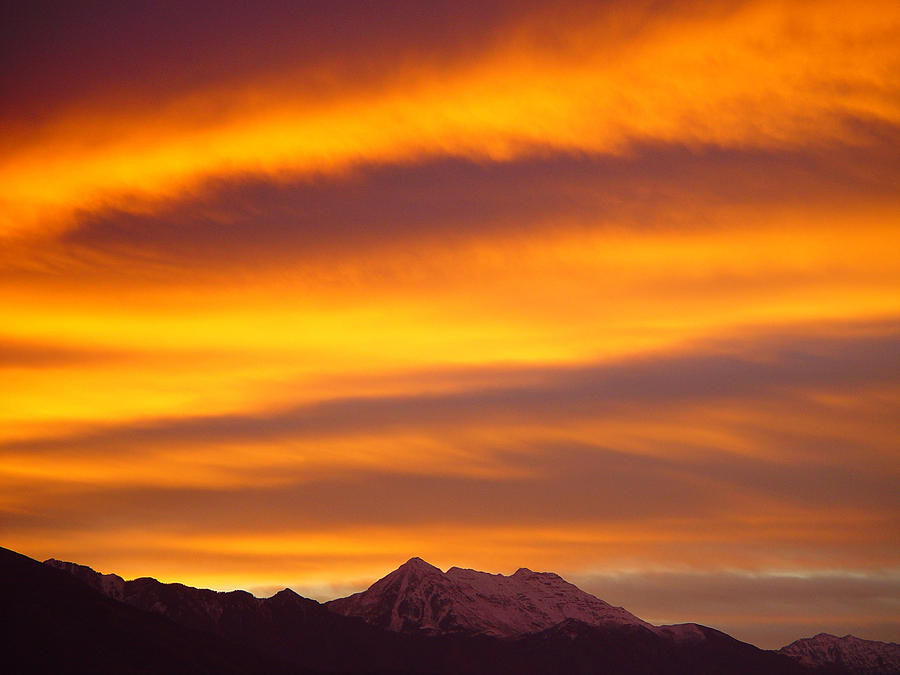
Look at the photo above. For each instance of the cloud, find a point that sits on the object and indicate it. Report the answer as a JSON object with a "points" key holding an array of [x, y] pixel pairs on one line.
{"points": [[548, 87], [256, 222], [542, 483], [16, 353], [787, 369], [776, 446], [172, 51]]}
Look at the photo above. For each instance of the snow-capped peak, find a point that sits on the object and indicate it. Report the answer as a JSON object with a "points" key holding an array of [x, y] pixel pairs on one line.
{"points": [[420, 597]]}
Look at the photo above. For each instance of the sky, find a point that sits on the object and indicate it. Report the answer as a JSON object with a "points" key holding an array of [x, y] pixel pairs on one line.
{"points": [[293, 292]]}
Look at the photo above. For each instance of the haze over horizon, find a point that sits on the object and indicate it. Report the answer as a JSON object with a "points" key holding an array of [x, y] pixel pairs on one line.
{"points": [[294, 292]]}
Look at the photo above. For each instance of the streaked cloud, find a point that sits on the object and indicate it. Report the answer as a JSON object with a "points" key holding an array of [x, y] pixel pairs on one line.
{"points": [[547, 84]]}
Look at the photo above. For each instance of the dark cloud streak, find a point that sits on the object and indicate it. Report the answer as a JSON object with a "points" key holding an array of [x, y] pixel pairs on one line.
{"points": [[26, 354], [669, 188], [65, 51], [783, 368]]}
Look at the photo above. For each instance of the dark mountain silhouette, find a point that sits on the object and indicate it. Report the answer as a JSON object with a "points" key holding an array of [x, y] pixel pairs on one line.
{"points": [[287, 626], [69, 618], [54, 623]]}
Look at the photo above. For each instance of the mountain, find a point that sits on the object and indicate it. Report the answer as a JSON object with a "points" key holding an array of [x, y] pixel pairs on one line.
{"points": [[419, 597], [829, 653], [547, 625], [111, 585], [286, 626], [422, 621], [578, 647], [54, 623]]}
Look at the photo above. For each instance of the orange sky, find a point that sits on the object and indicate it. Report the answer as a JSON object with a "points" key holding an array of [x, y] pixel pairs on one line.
{"points": [[291, 294]]}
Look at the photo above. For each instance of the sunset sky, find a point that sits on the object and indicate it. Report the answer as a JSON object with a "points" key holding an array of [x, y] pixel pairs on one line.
{"points": [[293, 291]]}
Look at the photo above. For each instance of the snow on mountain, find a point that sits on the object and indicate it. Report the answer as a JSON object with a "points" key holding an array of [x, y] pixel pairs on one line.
{"points": [[853, 654], [419, 597]]}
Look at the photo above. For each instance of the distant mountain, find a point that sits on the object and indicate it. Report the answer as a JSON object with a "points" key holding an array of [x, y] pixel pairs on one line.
{"points": [[829, 653], [419, 597], [69, 618]]}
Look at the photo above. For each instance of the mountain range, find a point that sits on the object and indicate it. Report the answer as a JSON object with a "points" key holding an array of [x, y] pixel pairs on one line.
{"points": [[62, 617]]}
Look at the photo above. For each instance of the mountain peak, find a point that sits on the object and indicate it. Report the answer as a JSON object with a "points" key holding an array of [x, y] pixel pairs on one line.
{"points": [[525, 573], [287, 593], [417, 564], [419, 597]]}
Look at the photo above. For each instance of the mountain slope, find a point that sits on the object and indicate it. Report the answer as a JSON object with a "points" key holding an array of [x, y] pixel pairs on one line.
{"points": [[577, 647], [419, 597], [286, 625], [829, 653], [54, 623]]}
